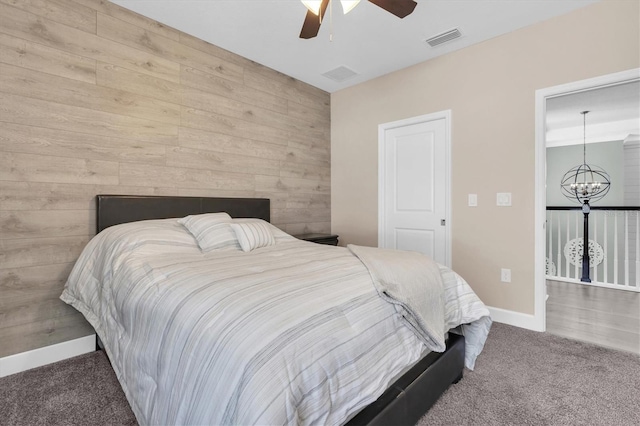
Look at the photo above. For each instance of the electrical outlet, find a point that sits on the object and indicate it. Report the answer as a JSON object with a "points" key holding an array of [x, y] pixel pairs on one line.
{"points": [[505, 275], [473, 200]]}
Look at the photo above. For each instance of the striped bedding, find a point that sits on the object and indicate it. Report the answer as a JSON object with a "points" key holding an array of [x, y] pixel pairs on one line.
{"points": [[292, 333]]}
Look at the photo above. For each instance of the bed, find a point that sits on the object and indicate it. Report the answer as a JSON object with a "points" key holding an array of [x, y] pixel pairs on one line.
{"points": [[168, 368]]}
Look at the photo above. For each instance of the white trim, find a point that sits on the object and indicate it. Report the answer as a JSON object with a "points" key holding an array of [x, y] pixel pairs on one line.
{"points": [[539, 317], [632, 139], [595, 284], [382, 128], [517, 319], [42, 356]]}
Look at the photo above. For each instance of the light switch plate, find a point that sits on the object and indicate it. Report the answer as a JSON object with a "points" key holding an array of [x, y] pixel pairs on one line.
{"points": [[473, 200], [503, 199]]}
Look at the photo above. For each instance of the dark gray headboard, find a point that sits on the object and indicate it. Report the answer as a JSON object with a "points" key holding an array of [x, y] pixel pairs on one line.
{"points": [[117, 209]]}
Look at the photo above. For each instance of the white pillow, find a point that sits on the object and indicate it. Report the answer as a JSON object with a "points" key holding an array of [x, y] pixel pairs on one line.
{"points": [[278, 234], [211, 230], [253, 234]]}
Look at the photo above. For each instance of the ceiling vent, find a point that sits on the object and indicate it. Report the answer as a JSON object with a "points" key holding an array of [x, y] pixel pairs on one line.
{"points": [[444, 37], [340, 74]]}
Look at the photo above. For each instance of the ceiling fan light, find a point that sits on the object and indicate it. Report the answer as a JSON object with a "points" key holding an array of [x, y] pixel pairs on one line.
{"points": [[313, 5], [348, 5]]}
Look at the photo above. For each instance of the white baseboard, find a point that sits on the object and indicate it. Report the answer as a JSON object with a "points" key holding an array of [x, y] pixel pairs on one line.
{"points": [[42, 356], [517, 319]]}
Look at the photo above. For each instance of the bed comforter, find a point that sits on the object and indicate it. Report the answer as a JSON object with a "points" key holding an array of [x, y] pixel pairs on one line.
{"points": [[293, 333]]}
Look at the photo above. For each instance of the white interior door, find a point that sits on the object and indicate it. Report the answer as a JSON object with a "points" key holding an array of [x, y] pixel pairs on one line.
{"points": [[414, 187]]}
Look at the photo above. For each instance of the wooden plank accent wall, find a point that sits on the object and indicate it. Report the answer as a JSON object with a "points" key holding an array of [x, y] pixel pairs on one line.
{"points": [[97, 99]]}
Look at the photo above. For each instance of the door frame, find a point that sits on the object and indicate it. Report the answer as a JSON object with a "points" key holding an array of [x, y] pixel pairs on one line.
{"points": [[382, 128], [540, 289]]}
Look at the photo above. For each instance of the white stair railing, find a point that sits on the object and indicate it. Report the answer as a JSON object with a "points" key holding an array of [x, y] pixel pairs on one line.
{"points": [[614, 234]]}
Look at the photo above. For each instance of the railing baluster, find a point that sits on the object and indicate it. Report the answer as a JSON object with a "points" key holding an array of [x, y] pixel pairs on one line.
{"points": [[595, 238], [576, 268], [605, 247], [615, 249], [565, 238], [568, 271], [549, 248], [549, 240], [559, 232], [626, 248], [637, 251]]}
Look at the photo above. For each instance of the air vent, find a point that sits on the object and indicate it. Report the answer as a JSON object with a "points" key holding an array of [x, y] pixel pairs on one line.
{"points": [[444, 37], [340, 74]]}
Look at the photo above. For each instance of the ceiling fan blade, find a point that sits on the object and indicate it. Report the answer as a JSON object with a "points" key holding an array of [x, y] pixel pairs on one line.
{"points": [[400, 8], [312, 22]]}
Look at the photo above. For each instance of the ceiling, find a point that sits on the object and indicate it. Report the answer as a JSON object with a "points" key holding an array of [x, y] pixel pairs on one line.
{"points": [[614, 115], [368, 40]]}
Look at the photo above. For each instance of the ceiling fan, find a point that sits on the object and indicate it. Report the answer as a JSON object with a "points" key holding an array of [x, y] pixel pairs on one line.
{"points": [[317, 8]]}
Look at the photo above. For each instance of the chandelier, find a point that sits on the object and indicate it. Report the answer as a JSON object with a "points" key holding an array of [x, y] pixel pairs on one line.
{"points": [[586, 182]]}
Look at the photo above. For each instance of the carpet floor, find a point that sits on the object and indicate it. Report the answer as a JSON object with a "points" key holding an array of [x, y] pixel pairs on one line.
{"points": [[521, 378]]}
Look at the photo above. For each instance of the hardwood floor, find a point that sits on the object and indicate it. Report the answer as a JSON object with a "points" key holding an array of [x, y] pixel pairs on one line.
{"points": [[603, 316]]}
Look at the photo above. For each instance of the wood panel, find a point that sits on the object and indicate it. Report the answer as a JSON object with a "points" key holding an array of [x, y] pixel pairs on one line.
{"points": [[215, 192], [38, 85], [106, 7], [218, 142], [19, 23], [34, 335], [291, 216], [183, 177], [34, 56], [209, 83], [290, 200], [317, 145], [25, 252], [36, 112], [286, 87], [34, 311], [66, 12], [320, 158], [305, 171], [109, 75], [22, 286], [43, 141], [221, 161], [43, 223], [157, 45], [215, 122], [221, 105], [210, 49], [42, 168], [97, 99], [275, 184], [319, 118], [64, 196], [304, 228]]}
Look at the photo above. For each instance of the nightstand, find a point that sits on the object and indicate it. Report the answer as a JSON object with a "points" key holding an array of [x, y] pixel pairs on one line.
{"points": [[328, 239]]}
